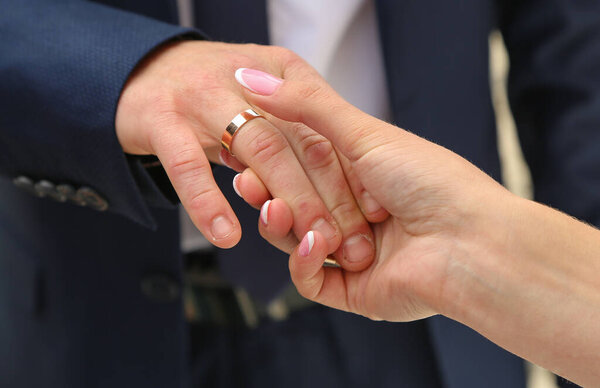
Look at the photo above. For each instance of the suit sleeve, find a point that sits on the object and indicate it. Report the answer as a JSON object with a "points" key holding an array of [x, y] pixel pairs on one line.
{"points": [[554, 91], [63, 64]]}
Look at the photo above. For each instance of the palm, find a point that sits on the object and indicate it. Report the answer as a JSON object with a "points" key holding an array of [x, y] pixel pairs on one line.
{"points": [[390, 288]]}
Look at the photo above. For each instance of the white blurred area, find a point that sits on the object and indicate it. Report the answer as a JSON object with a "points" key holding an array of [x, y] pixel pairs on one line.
{"points": [[515, 174]]}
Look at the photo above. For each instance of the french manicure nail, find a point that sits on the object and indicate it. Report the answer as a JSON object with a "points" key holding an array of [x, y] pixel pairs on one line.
{"points": [[221, 227], [369, 204], [306, 244], [257, 81], [222, 160], [325, 228], [264, 212], [235, 184], [358, 248]]}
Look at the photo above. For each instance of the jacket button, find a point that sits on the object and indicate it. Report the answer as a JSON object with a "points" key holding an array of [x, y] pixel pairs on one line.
{"points": [[160, 288], [25, 183], [58, 194], [92, 199], [68, 193], [44, 188]]}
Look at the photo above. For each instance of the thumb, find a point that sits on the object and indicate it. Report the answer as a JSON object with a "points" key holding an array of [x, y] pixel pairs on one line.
{"points": [[317, 105]]}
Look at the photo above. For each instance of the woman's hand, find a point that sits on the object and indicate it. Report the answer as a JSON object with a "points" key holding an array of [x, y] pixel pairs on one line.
{"points": [[434, 197], [456, 243]]}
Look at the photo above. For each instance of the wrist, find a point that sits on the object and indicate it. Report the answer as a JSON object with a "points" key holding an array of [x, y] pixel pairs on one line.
{"points": [[477, 260]]}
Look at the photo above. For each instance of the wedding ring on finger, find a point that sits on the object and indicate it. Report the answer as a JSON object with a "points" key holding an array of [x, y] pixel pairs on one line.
{"points": [[235, 125]]}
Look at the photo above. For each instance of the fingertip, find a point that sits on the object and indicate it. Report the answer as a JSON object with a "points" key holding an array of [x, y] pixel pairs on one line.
{"points": [[276, 218], [371, 209], [378, 216], [249, 186], [306, 264], [310, 254], [224, 231], [230, 161], [357, 252], [236, 183]]}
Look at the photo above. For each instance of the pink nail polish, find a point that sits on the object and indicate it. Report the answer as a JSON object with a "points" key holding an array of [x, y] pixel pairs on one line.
{"points": [[306, 244], [257, 81], [264, 212]]}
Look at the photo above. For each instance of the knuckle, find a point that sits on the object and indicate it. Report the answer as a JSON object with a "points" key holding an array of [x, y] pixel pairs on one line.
{"points": [[201, 199], [185, 162], [342, 209], [309, 91], [305, 202], [317, 152], [266, 146]]}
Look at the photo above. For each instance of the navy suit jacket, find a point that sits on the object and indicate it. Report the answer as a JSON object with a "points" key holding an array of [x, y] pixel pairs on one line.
{"points": [[90, 298]]}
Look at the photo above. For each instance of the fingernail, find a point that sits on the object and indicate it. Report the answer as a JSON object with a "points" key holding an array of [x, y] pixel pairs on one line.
{"points": [[257, 81], [325, 228], [306, 244], [223, 162], [369, 204], [221, 227], [358, 248], [264, 212], [235, 184]]}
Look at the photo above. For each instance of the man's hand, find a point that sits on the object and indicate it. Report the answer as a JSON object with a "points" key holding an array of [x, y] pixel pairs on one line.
{"points": [[177, 104]]}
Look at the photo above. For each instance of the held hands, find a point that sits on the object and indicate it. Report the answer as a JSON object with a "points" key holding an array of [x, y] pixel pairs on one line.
{"points": [[448, 239], [180, 99], [433, 196], [177, 104]]}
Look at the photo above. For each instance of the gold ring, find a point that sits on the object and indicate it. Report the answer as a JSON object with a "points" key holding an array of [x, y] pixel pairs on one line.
{"points": [[235, 124], [331, 262]]}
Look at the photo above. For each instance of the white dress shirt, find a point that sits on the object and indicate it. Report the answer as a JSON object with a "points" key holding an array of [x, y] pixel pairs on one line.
{"points": [[339, 38]]}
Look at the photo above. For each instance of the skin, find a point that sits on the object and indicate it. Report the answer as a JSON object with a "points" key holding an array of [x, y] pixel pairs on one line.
{"points": [[456, 242], [176, 106]]}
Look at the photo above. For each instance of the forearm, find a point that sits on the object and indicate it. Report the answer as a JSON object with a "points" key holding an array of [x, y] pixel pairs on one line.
{"points": [[62, 68], [530, 281]]}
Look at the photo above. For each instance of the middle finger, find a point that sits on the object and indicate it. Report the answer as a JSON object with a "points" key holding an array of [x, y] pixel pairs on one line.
{"points": [[322, 166]]}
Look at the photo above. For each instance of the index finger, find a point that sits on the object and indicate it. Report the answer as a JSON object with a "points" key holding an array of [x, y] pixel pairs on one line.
{"points": [[318, 106]]}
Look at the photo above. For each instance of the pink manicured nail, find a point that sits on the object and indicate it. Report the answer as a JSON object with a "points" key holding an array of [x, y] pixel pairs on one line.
{"points": [[257, 81], [307, 244], [235, 184], [264, 212]]}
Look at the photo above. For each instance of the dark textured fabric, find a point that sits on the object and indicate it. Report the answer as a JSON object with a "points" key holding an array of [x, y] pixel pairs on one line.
{"points": [[62, 67], [317, 347], [554, 89], [82, 293]]}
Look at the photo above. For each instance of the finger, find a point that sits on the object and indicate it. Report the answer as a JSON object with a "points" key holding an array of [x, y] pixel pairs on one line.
{"points": [[191, 175], [371, 209], [230, 161], [262, 147], [249, 186], [320, 284], [320, 162], [315, 104], [275, 225]]}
